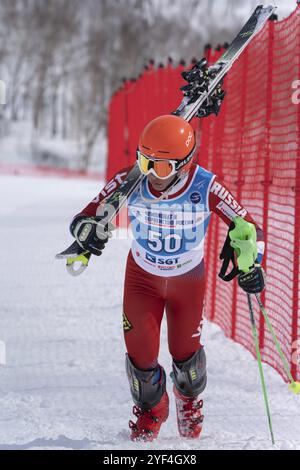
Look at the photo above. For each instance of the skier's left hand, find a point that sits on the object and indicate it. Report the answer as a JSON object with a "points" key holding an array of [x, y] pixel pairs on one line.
{"points": [[254, 281]]}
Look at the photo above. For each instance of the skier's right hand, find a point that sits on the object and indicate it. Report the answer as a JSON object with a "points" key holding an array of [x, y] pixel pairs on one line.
{"points": [[91, 234]]}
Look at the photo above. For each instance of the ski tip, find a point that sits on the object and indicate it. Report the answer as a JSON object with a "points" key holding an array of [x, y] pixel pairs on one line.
{"points": [[294, 387], [71, 252]]}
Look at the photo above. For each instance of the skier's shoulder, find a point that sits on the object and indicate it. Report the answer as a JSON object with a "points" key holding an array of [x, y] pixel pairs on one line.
{"points": [[202, 173], [121, 173]]}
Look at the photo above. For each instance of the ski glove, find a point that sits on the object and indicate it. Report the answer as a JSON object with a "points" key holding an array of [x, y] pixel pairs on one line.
{"points": [[90, 234], [254, 281]]}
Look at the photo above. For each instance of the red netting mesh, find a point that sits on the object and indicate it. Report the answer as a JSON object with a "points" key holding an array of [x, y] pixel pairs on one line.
{"points": [[253, 146]]}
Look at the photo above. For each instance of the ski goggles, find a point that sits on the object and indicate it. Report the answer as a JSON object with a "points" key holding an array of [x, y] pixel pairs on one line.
{"points": [[162, 169]]}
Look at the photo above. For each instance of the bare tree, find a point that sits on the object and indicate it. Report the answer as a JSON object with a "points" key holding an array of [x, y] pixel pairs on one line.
{"points": [[63, 59]]}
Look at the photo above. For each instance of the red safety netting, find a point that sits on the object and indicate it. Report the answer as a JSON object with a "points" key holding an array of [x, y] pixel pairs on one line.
{"points": [[253, 146]]}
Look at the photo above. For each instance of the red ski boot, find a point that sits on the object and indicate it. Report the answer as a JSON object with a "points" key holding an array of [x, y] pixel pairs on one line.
{"points": [[189, 417], [149, 422]]}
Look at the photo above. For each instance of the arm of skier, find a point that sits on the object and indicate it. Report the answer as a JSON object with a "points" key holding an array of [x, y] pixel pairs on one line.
{"points": [[86, 225], [225, 205], [91, 209]]}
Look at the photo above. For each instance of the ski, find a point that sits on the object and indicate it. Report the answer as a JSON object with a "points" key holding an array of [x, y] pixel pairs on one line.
{"points": [[202, 82], [198, 91]]}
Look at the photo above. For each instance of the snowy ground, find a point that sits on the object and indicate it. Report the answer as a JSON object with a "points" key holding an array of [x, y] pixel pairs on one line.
{"points": [[17, 148], [63, 385]]}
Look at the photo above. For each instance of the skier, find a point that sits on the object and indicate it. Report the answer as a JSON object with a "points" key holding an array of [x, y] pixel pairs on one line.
{"points": [[169, 213]]}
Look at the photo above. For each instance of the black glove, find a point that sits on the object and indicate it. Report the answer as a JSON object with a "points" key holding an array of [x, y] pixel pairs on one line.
{"points": [[254, 281], [90, 234]]}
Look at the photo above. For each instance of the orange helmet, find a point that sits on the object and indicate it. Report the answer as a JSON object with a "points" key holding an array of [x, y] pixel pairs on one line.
{"points": [[166, 146]]}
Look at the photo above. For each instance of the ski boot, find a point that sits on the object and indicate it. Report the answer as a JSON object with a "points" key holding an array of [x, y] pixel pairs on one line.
{"points": [[189, 416], [189, 378], [148, 390], [149, 422]]}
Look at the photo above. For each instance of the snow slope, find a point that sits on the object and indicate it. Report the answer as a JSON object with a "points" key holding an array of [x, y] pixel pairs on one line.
{"points": [[64, 384]]}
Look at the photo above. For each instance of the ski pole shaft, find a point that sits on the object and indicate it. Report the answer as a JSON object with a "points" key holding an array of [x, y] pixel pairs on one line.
{"points": [[259, 361], [294, 386]]}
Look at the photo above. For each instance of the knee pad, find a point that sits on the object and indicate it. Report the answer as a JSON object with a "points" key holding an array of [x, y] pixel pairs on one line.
{"points": [[146, 386], [189, 376]]}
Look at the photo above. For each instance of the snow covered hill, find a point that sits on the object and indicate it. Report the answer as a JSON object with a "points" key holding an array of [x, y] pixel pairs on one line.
{"points": [[64, 384]]}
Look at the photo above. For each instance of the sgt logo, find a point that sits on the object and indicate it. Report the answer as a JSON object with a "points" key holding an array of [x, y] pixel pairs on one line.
{"points": [[188, 141], [161, 261], [127, 326]]}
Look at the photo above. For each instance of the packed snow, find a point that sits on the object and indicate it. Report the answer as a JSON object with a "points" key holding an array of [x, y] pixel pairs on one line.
{"points": [[64, 385]]}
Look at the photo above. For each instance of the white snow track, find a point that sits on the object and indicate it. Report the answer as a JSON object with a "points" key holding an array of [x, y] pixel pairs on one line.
{"points": [[64, 384]]}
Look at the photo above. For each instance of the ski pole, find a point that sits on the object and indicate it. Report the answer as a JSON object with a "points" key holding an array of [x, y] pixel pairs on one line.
{"points": [[243, 241], [294, 386], [261, 372]]}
